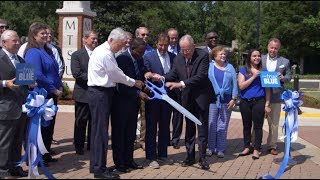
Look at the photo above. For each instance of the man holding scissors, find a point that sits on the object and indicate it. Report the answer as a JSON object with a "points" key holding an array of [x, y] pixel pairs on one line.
{"points": [[189, 73]]}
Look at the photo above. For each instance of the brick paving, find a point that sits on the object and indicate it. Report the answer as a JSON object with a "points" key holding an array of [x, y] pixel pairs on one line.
{"points": [[72, 166]]}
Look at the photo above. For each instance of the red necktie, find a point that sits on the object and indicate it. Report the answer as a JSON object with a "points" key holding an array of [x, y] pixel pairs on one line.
{"points": [[188, 68]]}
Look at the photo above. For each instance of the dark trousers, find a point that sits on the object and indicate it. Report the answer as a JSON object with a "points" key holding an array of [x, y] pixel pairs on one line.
{"points": [[8, 129], [177, 120], [157, 113], [100, 100], [47, 132], [82, 120], [124, 116], [252, 111], [190, 137]]}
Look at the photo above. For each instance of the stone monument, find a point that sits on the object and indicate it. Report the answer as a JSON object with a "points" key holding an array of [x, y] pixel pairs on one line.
{"points": [[75, 18]]}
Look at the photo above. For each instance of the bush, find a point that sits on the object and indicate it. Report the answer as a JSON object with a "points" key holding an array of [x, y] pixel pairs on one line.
{"points": [[66, 91]]}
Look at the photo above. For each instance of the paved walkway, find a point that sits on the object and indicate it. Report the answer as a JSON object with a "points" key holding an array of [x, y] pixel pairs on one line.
{"points": [[305, 151]]}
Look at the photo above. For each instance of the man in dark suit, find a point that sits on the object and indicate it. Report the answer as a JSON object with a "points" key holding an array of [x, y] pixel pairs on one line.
{"points": [[177, 117], [79, 69], [211, 38], [12, 120], [190, 74], [158, 112], [125, 107]]}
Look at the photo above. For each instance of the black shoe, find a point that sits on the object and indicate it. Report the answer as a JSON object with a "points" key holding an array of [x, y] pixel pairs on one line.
{"points": [[134, 165], [52, 152], [122, 168], [80, 151], [18, 172], [187, 163], [106, 175], [176, 146], [50, 160], [203, 163]]}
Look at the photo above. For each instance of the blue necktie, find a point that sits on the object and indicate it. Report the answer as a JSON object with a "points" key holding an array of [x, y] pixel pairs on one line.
{"points": [[136, 68]]}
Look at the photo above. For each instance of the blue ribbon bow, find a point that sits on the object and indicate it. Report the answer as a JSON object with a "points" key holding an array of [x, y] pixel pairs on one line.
{"points": [[292, 102], [40, 111]]}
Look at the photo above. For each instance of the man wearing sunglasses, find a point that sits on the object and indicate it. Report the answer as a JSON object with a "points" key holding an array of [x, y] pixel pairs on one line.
{"points": [[211, 39], [3, 26]]}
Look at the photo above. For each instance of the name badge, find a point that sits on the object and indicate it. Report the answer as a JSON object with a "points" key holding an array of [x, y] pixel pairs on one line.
{"points": [[269, 79], [25, 74]]}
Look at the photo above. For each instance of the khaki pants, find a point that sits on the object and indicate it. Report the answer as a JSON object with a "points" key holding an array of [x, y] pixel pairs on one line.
{"points": [[273, 122]]}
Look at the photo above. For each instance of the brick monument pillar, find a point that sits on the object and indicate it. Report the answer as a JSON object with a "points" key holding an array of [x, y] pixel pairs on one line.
{"points": [[75, 18]]}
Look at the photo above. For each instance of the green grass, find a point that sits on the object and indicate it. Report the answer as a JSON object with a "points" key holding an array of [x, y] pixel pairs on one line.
{"points": [[312, 94], [309, 76]]}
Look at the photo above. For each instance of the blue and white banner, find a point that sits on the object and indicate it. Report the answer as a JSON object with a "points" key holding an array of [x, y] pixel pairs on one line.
{"points": [[40, 111], [292, 102], [269, 79]]}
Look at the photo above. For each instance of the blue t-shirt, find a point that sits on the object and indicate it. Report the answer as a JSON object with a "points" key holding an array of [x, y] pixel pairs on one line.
{"points": [[254, 89]]}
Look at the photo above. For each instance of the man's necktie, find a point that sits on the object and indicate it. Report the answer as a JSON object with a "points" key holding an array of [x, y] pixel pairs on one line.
{"points": [[166, 67], [188, 68], [136, 67], [15, 60]]}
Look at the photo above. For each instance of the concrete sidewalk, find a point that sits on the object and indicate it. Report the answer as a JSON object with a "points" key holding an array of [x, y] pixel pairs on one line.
{"points": [[305, 151]]}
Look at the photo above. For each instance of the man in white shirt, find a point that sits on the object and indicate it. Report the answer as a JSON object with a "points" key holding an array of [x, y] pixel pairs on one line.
{"points": [[173, 41], [56, 52], [103, 74], [275, 63]]}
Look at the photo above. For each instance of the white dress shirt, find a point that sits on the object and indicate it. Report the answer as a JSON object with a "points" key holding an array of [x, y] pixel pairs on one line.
{"points": [[21, 49], [13, 61], [271, 63], [165, 61], [88, 51], [103, 69]]}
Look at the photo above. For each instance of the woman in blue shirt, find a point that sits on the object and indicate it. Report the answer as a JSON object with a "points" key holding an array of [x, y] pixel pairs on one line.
{"points": [[255, 101], [224, 81], [47, 75]]}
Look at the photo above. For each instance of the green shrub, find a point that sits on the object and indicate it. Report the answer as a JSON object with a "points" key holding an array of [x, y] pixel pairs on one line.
{"points": [[66, 91]]}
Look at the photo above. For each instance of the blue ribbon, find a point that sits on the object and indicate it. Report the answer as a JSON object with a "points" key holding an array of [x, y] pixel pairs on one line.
{"points": [[40, 111], [292, 102]]}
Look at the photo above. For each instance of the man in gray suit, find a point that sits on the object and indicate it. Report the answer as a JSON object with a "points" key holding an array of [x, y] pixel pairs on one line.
{"points": [[275, 63], [12, 96], [79, 69]]}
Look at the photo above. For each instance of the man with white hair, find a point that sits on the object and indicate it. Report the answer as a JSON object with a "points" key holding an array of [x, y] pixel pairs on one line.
{"points": [[190, 74], [103, 74], [12, 96]]}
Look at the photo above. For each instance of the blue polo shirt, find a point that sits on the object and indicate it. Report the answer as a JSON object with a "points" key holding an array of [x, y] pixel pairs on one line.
{"points": [[254, 89]]}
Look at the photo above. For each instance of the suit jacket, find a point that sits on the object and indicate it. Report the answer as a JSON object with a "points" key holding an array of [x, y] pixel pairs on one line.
{"points": [[153, 64], [79, 69], [125, 63], [198, 87], [46, 69], [10, 100], [283, 66]]}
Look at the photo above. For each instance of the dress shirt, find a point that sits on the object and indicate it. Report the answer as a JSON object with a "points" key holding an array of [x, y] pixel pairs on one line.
{"points": [[173, 49], [21, 49], [271, 64], [14, 60], [89, 51], [165, 61], [103, 69], [209, 49], [57, 57]]}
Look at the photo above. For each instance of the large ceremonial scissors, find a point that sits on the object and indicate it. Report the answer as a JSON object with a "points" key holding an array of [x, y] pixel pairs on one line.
{"points": [[161, 93]]}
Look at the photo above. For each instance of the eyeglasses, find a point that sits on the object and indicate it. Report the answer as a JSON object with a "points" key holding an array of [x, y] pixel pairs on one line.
{"points": [[215, 37], [144, 34], [2, 27], [185, 50]]}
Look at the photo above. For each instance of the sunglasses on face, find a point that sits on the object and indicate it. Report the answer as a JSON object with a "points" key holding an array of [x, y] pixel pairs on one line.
{"points": [[215, 37]]}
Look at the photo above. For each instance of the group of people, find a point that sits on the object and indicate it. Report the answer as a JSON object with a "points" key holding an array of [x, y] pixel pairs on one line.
{"points": [[110, 83], [48, 72]]}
